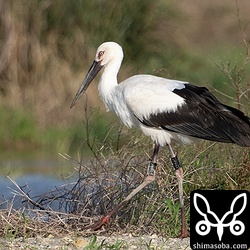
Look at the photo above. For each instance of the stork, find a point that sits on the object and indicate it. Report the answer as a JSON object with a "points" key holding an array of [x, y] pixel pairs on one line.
{"points": [[166, 110]]}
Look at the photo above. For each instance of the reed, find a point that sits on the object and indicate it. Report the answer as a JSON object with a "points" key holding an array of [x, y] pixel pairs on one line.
{"points": [[47, 46]]}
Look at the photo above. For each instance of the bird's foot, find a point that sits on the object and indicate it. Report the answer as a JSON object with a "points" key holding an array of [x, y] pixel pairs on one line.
{"points": [[99, 224], [183, 234]]}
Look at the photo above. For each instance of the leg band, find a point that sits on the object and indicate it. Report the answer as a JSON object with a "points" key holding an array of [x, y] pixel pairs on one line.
{"points": [[175, 162], [152, 168]]}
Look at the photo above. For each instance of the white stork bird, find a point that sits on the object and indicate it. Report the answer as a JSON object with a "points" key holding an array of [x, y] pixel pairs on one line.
{"points": [[166, 110]]}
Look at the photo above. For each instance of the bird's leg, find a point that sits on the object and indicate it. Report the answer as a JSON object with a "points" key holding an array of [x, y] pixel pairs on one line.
{"points": [[179, 174], [150, 178]]}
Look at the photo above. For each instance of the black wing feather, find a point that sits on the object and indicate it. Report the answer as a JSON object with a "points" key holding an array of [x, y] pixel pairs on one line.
{"points": [[203, 116]]}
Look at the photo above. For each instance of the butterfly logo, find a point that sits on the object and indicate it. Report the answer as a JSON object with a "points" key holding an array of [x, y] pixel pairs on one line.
{"points": [[203, 227]]}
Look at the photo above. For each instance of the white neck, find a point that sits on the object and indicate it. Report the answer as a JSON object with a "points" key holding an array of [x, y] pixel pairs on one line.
{"points": [[108, 81]]}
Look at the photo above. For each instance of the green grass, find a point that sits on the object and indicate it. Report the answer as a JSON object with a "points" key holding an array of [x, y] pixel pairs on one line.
{"points": [[93, 245], [19, 130], [37, 86], [110, 177], [17, 126]]}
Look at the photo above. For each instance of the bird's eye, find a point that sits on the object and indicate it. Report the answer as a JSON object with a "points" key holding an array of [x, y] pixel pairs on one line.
{"points": [[100, 54]]}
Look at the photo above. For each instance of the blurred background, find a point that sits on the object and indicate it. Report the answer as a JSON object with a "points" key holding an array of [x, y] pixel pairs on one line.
{"points": [[46, 48]]}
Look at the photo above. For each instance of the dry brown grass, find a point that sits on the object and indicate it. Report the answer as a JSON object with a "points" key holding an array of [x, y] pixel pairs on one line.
{"points": [[16, 223], [41, 67], [103, 182]]}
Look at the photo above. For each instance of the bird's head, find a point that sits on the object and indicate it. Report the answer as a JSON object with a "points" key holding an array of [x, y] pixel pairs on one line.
{"points": [[106, 53]]}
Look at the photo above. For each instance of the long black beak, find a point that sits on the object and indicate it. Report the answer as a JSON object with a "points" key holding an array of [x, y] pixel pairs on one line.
{"points": [[93, 71]]}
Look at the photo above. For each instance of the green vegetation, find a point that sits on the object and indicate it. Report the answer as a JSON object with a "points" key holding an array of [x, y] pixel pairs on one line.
{"points": [[53, 44], [108, 178], [93, 245]]}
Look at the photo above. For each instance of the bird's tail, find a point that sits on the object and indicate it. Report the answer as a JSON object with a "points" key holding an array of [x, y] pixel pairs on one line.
{"points": [[240, 133]]}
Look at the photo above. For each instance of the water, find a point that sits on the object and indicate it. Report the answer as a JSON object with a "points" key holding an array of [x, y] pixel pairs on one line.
{"points": [[34, 185], [36, 173]]}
